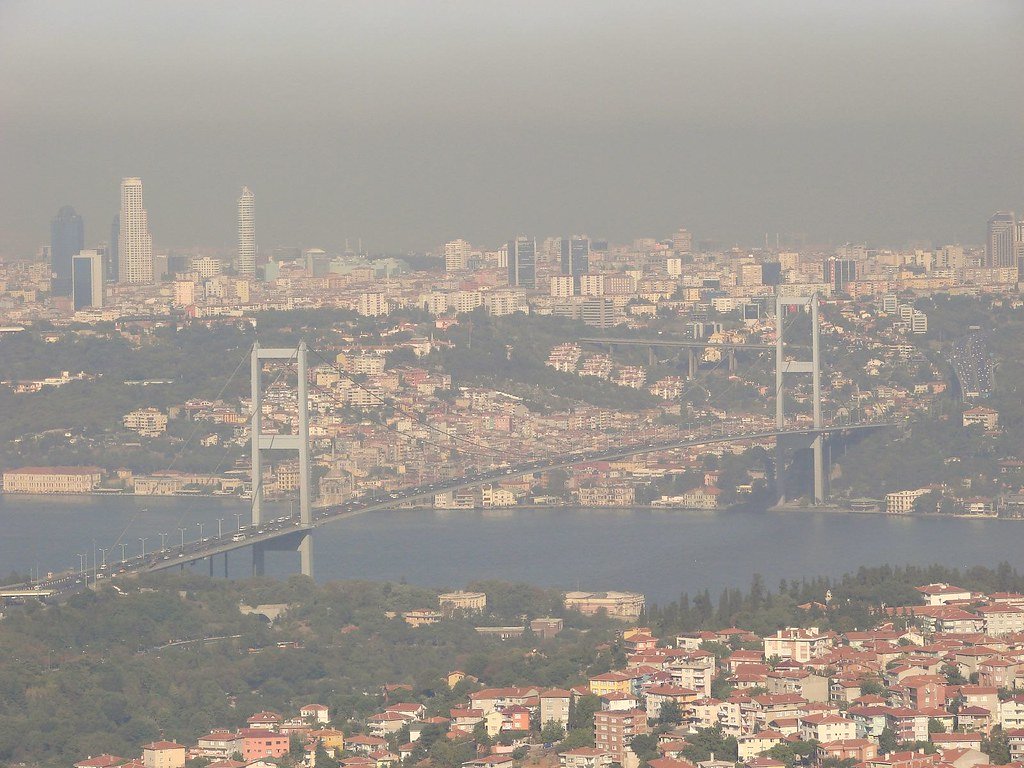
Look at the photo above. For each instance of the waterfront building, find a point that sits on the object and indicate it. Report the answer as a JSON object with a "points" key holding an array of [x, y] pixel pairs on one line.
{"points": [[52, 479]]}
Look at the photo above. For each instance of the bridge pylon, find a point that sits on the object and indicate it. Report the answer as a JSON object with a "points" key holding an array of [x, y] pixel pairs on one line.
{"points": [[784, 368], [302, 541]]}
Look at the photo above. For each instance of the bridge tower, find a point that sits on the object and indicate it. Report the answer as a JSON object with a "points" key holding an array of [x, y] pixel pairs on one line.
{"points": [[784, 368], [302, 540]]}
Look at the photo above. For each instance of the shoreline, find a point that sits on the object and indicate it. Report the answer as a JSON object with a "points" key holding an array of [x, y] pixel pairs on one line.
{"points": [[783, 508]]}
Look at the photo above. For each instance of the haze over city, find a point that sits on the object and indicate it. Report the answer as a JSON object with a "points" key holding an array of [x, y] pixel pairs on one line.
{"points": [[407, 124]]}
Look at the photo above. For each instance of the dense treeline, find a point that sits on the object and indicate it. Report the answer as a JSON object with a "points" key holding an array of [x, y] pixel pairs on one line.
{"points": [[96, 674]]}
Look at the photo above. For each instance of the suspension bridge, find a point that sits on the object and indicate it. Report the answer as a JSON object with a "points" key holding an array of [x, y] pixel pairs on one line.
{"points": [[294, 533]]}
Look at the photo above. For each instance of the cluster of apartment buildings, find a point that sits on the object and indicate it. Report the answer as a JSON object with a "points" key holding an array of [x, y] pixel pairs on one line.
{"points": [[945, 670]]}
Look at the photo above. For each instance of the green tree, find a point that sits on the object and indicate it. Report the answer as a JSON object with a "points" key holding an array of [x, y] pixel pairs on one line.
{"points": [[996, 747], [581, 712], [551, 732], [324, 760], [887, 741], [670, 713]]}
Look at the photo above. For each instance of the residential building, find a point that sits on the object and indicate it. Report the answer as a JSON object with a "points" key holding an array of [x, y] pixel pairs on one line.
{"points": [[163, 754], [259, 743], [797, 644], [826, 728], [554, 706], [614, 731], [148, 422], [456, 256], [585, 757], [902, 502]]}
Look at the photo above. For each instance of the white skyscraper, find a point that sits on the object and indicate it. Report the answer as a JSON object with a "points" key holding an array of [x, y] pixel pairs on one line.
{"points": [[246, 234], [134, 244], [456, 255]]}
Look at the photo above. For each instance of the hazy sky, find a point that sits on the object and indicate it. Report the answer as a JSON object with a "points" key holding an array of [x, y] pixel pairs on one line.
{"points": [[410, 123]]}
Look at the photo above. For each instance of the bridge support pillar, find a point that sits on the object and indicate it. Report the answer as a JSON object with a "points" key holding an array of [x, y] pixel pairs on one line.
{"points": [[691, 363], [259, 559], [211, 566], [225, 565], [306, 554], [784, 367], [298, 442]]}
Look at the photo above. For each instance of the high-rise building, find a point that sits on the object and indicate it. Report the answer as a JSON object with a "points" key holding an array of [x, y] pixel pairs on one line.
{"points": [[246, 234], [67, 237], [575, 256], [839, 272], [110, 267], [456, 255], [682, 241], [522, 262], [999, 250], [87, 280], [134, 243]]}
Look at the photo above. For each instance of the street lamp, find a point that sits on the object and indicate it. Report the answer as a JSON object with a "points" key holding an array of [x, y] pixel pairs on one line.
{"points": [[124, 549], [163, 541], [103, 554], [220, 524], [81, 563], [238, 520], [182, 538], [200, 531], [142, 539]]}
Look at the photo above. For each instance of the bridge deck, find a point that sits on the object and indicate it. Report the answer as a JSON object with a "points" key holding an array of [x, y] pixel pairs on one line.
{"points": [[695, 344]]}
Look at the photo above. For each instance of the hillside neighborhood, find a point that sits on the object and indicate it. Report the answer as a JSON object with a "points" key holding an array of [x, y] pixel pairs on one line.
{"points": [[932, 684]]}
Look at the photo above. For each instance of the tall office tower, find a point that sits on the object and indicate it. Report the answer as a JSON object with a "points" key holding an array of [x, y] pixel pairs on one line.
{"points": [[134, 243], [110, 268], [87, 279], [522, 262], [999, 243], [575, 256], [246, 234], [839, 272], [456, 255], [67, 237], [1018, 241], [682, 241]]}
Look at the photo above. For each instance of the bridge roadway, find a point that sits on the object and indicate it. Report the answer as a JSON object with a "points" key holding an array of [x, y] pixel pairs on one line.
{"points": [[282, 529], [674, 344]]}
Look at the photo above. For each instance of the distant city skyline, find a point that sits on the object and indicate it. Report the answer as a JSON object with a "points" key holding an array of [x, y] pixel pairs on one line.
{"points": [[409, 124]]}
